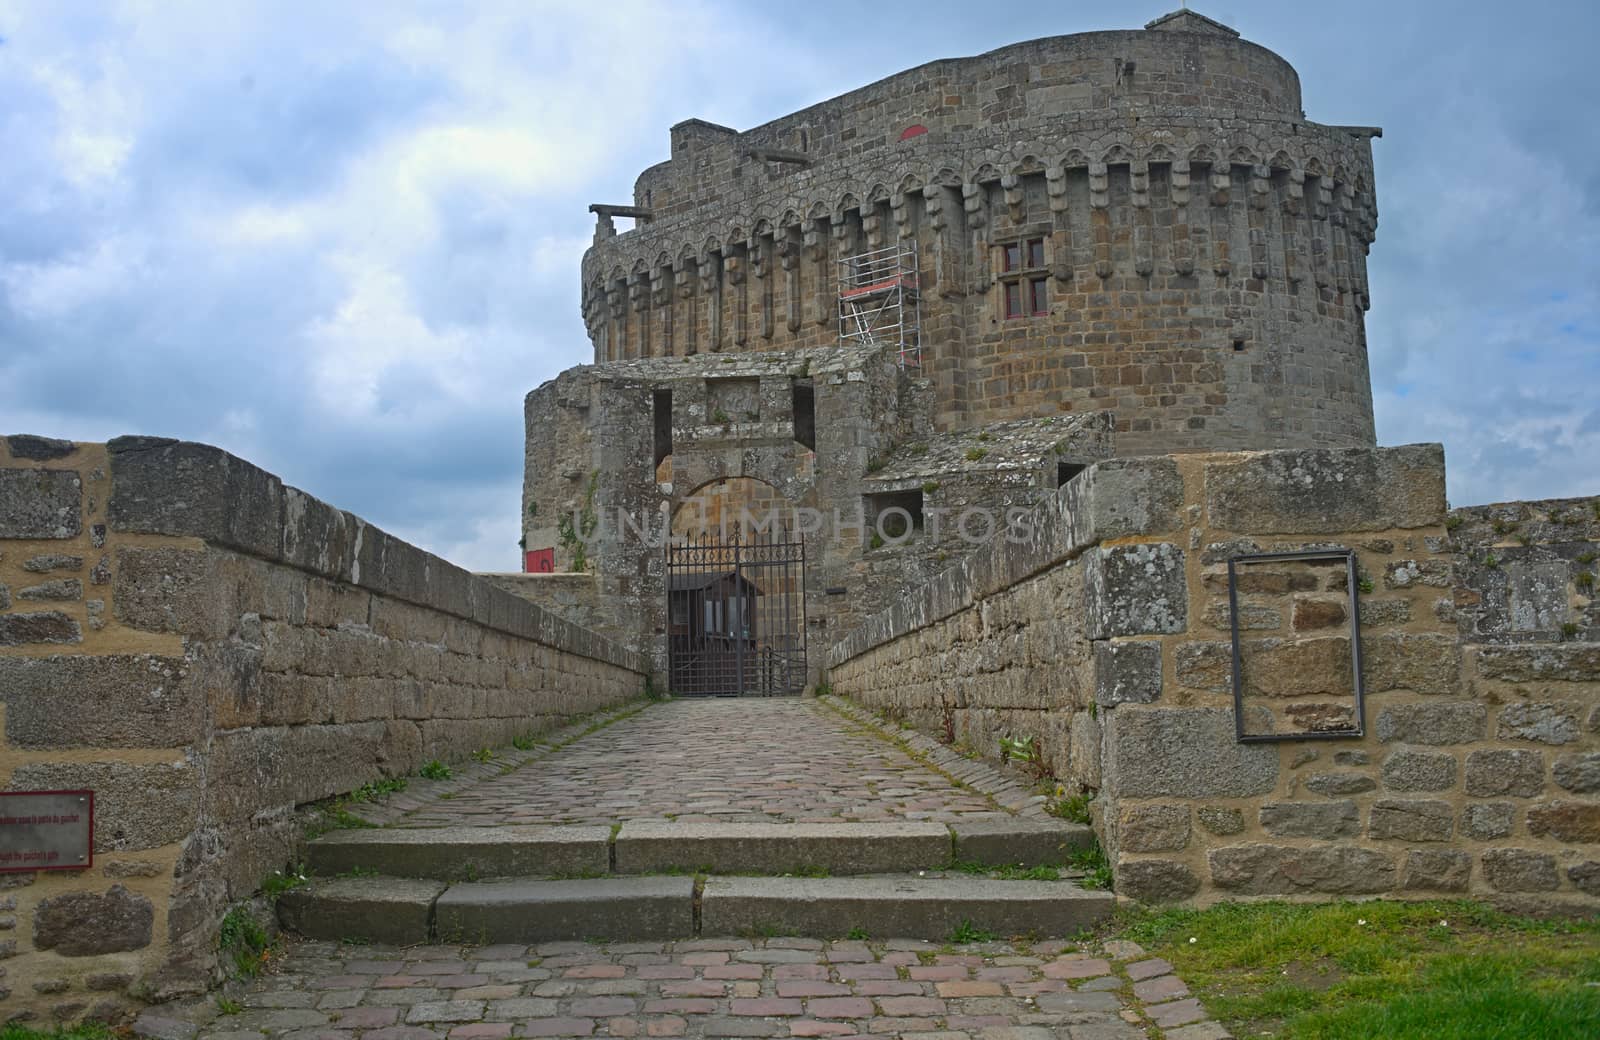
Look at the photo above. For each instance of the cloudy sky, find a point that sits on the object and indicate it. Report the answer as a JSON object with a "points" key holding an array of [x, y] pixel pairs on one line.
{"points": [[341, 239]]}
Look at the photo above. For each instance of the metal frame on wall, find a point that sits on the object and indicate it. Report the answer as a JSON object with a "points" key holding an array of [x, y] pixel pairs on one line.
{"points": [[1352, 586]]}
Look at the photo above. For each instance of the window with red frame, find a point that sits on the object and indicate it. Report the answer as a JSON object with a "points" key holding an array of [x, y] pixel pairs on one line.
{"points": [[1024, 285]]}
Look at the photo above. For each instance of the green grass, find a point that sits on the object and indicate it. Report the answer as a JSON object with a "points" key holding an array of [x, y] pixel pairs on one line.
{"points": [[1006, 872], [1436, 970], [86, 1031], [244, 942], [1096, 868], [435, 770], [371, 792], [966, 933]]}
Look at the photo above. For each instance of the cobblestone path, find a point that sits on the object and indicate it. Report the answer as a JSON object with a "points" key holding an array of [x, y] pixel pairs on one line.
{"points": [[731, 761], [702, 988]]}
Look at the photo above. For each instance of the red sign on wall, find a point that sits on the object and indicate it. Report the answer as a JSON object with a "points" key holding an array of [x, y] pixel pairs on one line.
{"points": [[539, 561]]}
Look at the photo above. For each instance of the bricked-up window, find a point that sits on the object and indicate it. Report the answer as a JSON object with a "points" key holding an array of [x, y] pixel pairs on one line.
{"points": [[1024, 283]]}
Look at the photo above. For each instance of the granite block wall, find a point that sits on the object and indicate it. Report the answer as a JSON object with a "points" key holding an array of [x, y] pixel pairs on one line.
{"points": [[1475, 772], [206, 649]]}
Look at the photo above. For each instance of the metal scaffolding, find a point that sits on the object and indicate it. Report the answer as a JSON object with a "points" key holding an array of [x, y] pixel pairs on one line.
{"points": [[879, 303]]}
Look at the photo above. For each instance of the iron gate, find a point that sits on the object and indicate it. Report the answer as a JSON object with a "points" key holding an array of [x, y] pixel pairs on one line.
{"points": [[736, 615]]}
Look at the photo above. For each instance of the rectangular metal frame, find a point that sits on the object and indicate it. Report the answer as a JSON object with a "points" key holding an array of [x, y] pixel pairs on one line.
{"points": [[1352, 586]]}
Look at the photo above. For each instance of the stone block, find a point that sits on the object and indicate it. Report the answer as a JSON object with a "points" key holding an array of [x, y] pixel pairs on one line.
{"points": [[1263, 869], [1155, 880], [1409, 770], [1018, 841], [1406, 574], [658, 846], [1406, 820], [912, 908], [317, 537], [1311, 819], [1436, 870], [1340, 783], [84, 924], [1127, 673], [1586, 876], [1485, 821], [452, 853], [1579, 774], [1575, 822], [1133, 590], [1183, 753], [1411, 661], [1448, 722], [1127, 497], [553, 911], [1220, 820], [46, 626], [163, 486], [38, 449], [1312, 614], [1297, 668], [1520, 870], [1496, 772], [171, 590], [1204, 666], [1327, 491], [135, 806], [46, 562], [40, 503], [1543, 723], [60, 590], [1154, 828], [1575, 662], [380, 909], [119, 700]]}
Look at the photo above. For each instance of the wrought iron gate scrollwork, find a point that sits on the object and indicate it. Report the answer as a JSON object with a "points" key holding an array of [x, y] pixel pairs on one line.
{"points": [[736, 615]]}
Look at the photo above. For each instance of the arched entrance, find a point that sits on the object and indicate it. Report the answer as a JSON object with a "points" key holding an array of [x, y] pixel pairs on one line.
{"points": [[736, 620]]}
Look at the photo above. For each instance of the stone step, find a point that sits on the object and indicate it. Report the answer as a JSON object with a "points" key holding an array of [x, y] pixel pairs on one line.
{"points": [[660, 846], [406, 911], [523, 911], [902, 907], [463, 853]]}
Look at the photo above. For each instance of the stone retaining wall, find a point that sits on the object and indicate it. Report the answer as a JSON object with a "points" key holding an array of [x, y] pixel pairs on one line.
{"points": [[1108, 639], [207, 649]]}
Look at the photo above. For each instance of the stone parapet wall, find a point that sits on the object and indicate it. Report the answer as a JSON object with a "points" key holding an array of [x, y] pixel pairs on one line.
{"points": [[1479, 769], [206, 649]]}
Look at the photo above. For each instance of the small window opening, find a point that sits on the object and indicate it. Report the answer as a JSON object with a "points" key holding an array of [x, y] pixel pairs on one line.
{"points": [[892, 516], [805, 414], [1238, 345], [661, 403], [1066, 471]]}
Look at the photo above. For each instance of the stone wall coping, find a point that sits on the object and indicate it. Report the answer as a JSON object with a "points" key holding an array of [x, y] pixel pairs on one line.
{"points": [[164, 486]]}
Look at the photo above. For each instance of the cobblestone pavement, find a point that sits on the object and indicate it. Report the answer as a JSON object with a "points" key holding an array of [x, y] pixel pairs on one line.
{"points": [[732, 761], [701, 988]]}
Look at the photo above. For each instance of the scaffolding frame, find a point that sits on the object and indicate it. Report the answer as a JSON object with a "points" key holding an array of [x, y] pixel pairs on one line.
{"points": [[879, 302]]}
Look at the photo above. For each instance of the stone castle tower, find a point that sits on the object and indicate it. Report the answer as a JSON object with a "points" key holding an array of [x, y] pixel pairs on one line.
{"points": [[954, 287]]}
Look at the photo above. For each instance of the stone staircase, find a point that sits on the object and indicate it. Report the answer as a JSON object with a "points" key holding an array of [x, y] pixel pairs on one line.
{"points": [[663, 879]]}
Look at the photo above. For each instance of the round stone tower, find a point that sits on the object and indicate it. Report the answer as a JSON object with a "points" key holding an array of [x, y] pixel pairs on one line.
{"points": [[1139, 221]]}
